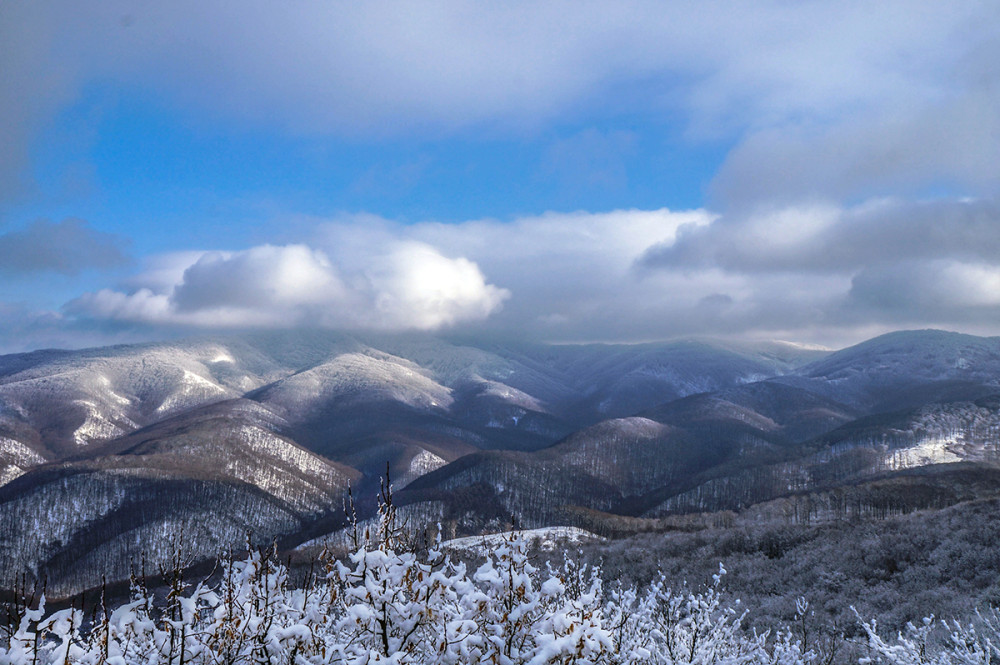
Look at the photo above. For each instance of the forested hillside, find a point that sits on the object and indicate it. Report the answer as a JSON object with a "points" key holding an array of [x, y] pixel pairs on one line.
{"points": [[390, 601]]}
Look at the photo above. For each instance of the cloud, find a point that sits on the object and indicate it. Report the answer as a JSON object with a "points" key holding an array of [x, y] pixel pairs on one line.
{"points": [[408, 286], [67, 247], [929, 290], [554, 276], [419, 288], [28, 328], [886, 262], [831, 239], [25, 328], [262, 278], [819, 106], [34, 83], [898, 150], [570, 276], [822, 274], [793, 78]]}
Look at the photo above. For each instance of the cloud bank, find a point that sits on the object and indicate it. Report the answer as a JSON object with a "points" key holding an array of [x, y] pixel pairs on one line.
{"points": [[822, 274], [807, 90]]}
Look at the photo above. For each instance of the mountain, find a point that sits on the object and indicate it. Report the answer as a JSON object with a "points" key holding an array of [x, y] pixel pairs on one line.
{"points": [[116, 456], [630, 465], [905, 369], [898, 402], [195, 481], [190, 444]]}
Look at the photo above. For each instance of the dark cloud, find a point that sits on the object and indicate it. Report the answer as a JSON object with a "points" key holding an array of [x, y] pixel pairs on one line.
{"points": [[716, 301], [829, 239], [885, 263], [903, 151], [928, 291], [67, 247]]}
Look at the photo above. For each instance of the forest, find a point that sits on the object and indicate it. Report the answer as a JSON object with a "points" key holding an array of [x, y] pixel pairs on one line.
{"points": [[398, 597]]}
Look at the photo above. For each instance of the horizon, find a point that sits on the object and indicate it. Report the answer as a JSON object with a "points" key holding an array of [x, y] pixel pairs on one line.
{"points": [[369, 337], [551, 173]]}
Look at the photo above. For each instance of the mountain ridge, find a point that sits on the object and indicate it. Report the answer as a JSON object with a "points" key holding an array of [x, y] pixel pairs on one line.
{"points": [[280, 423]]}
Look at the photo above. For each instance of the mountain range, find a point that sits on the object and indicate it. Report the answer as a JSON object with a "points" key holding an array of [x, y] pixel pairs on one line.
{"points": [[119, 457]]}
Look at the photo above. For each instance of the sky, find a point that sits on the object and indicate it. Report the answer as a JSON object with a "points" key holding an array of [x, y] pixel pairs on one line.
{"points": [[624, 171]]}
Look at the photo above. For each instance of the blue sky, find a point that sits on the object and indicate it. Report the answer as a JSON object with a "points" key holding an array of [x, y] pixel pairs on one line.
{"points": [[144, 161], [558, 171]]}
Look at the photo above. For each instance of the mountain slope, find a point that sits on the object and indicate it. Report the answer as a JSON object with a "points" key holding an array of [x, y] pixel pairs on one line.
{"points": [[205, 478], [127, 448], [905, 369]]}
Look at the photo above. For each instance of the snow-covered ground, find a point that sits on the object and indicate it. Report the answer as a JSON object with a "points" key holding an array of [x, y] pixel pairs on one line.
{"points": [[546, 538], [927, 452]]}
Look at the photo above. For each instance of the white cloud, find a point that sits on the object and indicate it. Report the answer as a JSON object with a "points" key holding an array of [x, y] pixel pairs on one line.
{"points": [[142, 306], [417, 287], [408, 286], [260, 279], [845, 68], [820, 274]]}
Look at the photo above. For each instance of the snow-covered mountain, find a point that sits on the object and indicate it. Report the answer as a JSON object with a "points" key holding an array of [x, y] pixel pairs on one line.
{"points": [[106, 453], [907, 368], [821, 425]]}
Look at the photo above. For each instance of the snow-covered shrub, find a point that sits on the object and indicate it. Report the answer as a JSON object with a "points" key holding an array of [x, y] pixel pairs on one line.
{"points": [[389, 602], [659, 625], [933, 642]]}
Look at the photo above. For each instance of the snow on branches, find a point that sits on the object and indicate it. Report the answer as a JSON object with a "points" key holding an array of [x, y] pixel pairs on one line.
{"points": [[390, 602]]}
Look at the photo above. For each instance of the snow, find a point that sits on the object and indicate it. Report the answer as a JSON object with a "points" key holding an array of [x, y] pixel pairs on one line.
{"points": [[929, 451], [97, 426], [353, 376], [509, 394], [546, 538], [275, 457], [9, 473], [191, 389], [802, 345], [383, 605], [18, 453], [108, 391], [424, 462]]}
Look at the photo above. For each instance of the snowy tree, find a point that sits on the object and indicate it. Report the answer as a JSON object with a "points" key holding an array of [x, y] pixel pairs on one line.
{"points": [[390, 602]]}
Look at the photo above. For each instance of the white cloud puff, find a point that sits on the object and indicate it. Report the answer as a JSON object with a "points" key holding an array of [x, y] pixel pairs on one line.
{"points": [[410, 286], [416, 287]]}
